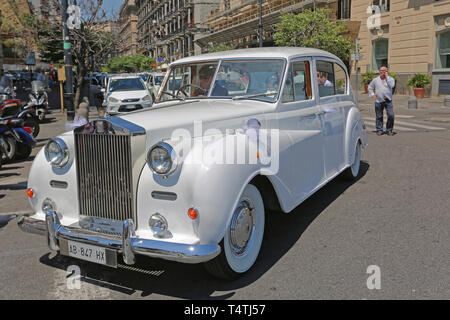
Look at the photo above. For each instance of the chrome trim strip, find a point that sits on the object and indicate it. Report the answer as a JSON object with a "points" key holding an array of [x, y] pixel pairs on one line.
{"points": [[185, 253], [134, 129]]}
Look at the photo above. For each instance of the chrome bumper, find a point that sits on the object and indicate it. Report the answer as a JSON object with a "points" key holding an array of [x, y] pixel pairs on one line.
{"points": [[129, 245]]}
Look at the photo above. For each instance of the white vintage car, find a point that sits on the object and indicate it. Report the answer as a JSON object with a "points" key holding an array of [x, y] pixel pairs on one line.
{"points": [[191, 179]]}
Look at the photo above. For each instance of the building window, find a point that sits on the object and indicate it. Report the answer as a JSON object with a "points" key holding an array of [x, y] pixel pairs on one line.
{"points": [[385, 5], [344, 9], [443, 50], [380, 54]]}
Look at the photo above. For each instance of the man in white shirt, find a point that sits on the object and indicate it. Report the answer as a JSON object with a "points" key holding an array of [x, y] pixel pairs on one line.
{"points": [[382, 97]]}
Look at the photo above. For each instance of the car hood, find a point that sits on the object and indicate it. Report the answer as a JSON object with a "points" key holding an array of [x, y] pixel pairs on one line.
{"points": [[121, 95], [163, 118]]}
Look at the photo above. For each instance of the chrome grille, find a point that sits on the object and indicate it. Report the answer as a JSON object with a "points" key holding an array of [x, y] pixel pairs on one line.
{"points": [[104, 174]]}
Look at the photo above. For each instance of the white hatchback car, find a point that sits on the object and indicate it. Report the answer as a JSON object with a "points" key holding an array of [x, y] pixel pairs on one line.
{"points": [[232, 135], [125, 93]]}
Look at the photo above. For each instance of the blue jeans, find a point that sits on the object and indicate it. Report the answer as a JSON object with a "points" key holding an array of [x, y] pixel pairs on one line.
{"points": [[379, 107]]}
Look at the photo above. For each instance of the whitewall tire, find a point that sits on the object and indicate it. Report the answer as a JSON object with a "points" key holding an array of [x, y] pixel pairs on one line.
{"points": [[352, 172], [243, 238]]}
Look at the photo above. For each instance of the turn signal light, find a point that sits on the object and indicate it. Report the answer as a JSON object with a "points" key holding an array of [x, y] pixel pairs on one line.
{"points": [[30, 193], [27, 129], [193, 213]]}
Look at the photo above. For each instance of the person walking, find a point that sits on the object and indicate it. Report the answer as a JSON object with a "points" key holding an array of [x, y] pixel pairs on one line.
{"points": [[383, 86]]}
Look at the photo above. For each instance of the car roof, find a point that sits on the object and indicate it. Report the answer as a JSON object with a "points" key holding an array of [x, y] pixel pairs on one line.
{"points": [[125, 76], [265, 52]]}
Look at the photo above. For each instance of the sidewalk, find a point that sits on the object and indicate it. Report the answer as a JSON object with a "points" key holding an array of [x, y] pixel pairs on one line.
{"points": [[428, 109]]}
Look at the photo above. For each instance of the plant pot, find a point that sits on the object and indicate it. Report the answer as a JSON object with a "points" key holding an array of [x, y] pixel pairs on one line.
{"points": [[366, 88], [419, 93]]}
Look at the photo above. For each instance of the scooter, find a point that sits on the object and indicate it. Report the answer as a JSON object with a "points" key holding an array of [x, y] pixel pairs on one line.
{"points": [[16, 141], [13, 108], [38, 100]]}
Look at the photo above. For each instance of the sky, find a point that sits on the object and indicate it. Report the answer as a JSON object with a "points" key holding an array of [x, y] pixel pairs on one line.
{"points": [[112, 5]]}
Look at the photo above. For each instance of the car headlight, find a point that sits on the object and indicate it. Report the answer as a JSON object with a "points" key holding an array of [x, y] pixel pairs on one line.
{"points": [[56, 152], [147, 98], [113, 100], [162, 159]]}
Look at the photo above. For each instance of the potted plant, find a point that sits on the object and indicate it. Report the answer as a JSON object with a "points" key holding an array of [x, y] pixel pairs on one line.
{"points": [[418, 83], [367, 77]]}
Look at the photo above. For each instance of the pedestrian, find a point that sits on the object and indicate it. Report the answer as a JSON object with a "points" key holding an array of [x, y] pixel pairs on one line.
{"points": [[383, 86]]}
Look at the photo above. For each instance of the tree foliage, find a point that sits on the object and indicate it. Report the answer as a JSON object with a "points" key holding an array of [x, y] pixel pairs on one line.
{"points": [[135, 63], [315, 30]]}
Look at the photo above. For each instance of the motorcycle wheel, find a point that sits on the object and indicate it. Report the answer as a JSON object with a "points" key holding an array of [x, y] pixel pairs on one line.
{"points": [[11, 149], [33, 123], [23, 151]]}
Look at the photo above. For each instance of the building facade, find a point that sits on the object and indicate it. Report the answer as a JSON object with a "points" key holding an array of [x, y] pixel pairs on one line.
{"points": [[46, 10], [128, 32], [408, 36], [168, 29], [236, 24]]}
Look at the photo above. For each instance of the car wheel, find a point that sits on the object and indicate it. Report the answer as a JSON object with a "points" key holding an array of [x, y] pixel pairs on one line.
{"points": [[243, 237], [352, 172]]}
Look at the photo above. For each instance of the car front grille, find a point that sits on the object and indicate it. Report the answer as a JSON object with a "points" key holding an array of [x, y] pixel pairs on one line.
{"points": [[104, 173]]}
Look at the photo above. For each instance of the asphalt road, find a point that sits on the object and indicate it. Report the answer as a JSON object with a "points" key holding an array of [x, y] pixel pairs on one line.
{"points": [[394, 217]]}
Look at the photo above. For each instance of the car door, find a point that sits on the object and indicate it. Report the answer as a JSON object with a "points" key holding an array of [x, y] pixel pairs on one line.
{"points": [[332, 110], [299, 119]]}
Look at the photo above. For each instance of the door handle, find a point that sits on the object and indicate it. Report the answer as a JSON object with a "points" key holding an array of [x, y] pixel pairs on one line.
{"points": [[320, 113]]}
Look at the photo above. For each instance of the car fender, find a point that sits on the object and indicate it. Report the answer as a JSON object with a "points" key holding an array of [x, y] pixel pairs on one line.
{"points": [[355, 131]]}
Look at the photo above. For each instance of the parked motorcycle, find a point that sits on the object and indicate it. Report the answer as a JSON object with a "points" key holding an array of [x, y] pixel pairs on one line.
{"points": [[13, 108], [38, 100], [16, 141]]}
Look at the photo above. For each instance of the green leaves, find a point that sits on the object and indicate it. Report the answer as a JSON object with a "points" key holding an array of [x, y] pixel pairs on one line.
{"points": [[315, 30], [135, 63], [420, 80]]}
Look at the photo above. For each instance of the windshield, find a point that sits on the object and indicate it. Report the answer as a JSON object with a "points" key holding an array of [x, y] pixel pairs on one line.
{"points": [[238, 79], [158, 80], [127, 84], [144, 76]]}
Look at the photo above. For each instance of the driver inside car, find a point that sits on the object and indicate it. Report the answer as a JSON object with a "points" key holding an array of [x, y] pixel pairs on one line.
{"points": [[206, 75]]}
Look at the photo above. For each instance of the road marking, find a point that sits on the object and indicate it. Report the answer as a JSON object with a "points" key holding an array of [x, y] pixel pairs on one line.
{"points": [[370, 121], [399, 128]]}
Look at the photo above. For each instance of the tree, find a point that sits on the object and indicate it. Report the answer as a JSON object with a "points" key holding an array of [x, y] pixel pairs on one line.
{"points": [[91, 45], [315, 30], [135, 63]]}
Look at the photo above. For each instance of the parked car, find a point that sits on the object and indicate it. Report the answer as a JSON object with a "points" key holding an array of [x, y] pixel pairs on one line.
{"points": [[192, 178], [154, 82], [126, 93]]}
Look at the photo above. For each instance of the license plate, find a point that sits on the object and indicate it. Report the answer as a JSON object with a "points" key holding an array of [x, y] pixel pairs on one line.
{"points": [[89, 253], [131, 107]]}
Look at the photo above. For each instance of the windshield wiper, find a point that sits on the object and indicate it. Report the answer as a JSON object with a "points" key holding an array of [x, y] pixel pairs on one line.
{"points": [[174, 95], [265, 94]]}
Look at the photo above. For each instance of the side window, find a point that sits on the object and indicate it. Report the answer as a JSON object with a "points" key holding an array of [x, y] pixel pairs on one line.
{"points": [[288, 91], [341, 79], [325, 78], [302, 80]]}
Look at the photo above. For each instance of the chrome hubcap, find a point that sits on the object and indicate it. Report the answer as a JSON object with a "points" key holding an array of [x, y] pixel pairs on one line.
{"points": [[242, 227]]}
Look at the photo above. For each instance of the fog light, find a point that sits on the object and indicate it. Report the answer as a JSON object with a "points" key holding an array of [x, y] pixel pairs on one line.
{"points": [[158, 224], [48, 205]]}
